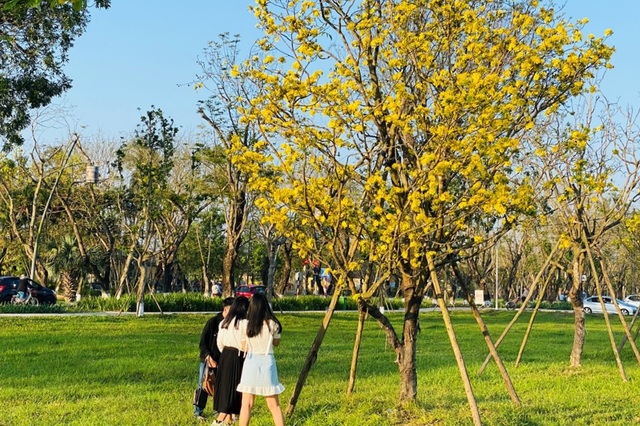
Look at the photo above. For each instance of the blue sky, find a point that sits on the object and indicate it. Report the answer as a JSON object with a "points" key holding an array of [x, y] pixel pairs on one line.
{"points": [[140, 53]]}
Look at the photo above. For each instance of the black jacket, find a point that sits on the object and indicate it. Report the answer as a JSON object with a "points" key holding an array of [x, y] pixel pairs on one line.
{"points": [[209, 337]]}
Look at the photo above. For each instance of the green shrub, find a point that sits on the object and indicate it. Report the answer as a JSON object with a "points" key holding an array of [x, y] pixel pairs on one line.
{"points": [[197, 302], [8, 308]]}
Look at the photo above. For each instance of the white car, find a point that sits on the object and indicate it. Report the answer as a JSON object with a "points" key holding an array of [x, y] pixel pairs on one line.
{"points": [[633, 299], [592, 304]]}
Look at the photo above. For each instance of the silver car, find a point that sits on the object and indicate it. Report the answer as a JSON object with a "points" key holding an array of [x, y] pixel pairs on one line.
{"points": [[633, 299], [592, 304]]}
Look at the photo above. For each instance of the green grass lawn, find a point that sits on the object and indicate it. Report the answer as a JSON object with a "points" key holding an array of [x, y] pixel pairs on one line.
{"points": [[83, 370]]}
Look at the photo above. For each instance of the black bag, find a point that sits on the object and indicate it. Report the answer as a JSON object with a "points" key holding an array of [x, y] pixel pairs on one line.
{"points": [[200, 398]]}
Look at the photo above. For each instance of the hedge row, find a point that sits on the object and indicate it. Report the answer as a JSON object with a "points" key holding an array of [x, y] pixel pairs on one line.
{"points": [[196, 302]]}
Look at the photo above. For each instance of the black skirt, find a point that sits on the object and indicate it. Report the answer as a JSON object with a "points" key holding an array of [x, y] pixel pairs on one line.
{"points": [[226, 399]]}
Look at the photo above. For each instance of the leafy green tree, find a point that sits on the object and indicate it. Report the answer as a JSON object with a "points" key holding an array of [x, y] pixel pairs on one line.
{"points": [[145, 163], [233, 146], [35, 37], [202, 251], [66, 261]]}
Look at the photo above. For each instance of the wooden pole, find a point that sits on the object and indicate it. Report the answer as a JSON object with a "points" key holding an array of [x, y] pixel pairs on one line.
{"points": [[313, 352], [362, 315], [475, 412], [521, 310], [531, 321]]}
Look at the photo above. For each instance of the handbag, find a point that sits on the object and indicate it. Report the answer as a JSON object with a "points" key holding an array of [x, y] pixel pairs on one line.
{"points": [[209, 380]]}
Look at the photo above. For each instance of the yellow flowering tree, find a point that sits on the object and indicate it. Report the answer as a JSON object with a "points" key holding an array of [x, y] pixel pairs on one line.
{"points": [[396, 130], [591, 172]]}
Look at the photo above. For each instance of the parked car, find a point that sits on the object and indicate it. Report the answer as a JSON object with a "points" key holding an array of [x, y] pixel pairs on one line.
{"points": [[9, 287], [250, 290], [633, 299], [592, 304]]}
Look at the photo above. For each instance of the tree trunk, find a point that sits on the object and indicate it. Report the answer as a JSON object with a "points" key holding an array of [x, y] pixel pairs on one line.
{"points": [[286, 268], [141, 284], [272, 263], [125, 271], [407, 351], [228, 270], [205, 280], [70, 286], [575, 297], [362, 314]]}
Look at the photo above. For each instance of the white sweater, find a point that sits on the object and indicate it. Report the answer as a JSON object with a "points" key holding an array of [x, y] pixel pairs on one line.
{"points": [[230, 337]]}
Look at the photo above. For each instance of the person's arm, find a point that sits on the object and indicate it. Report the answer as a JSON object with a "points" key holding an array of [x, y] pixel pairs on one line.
{"points": [[205, 338], [206, 333], [220, 339], [276, 336]]}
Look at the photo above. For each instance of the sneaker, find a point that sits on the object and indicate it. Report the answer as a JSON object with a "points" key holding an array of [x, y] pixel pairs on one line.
{"points": [[217, 423]]}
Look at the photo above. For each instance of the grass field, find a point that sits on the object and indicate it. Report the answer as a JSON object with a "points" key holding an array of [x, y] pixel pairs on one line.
{"points": [[101, 370]]}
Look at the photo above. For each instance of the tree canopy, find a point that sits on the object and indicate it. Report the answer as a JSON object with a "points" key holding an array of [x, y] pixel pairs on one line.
{"points": [[35, 37], [396, 127]]}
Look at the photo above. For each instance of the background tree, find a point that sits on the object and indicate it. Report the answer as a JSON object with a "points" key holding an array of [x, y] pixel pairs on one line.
{"points": [[232, 139], [66, 261], [145, 164], [202, 251], [35, 38], [592, 174]]}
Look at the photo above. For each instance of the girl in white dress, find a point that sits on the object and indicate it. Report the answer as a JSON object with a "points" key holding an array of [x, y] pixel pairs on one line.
{"points": [[261, 332]]}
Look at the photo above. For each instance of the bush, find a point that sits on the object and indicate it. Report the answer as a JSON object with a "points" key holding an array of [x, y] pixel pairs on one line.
{"points": [[8, 308], [197, 302]]}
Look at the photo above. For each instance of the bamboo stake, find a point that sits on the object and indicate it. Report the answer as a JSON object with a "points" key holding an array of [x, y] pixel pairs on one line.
{"points": [[525, 339], [313, 352], [521, 310], [475, 413], [487, 337], [362, 315], [627, 328], [635, 335], [616, 354]]}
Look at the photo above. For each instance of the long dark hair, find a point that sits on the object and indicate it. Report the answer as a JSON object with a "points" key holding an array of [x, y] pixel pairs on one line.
{"points": [[237, 312], [260, 312]]}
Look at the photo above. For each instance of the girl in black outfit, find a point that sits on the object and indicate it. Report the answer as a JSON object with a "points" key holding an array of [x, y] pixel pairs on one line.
{"points": [[227, 401]]}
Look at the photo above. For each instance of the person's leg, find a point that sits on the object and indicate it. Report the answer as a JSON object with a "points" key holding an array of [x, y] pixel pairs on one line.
{"points": [[276, 411], [224, 417], [245, 411], [197, 409]]}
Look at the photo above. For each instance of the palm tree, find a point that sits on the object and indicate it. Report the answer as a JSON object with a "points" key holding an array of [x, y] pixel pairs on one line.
{"points": [[67, 263]]}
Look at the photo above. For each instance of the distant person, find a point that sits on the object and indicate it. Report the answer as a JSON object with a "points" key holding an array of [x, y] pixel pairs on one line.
{"points": [[525, 293], [23, 287], [227, 400], [215, 290], [325, 286], [209, 354], [261, 331], [317, 285]]}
